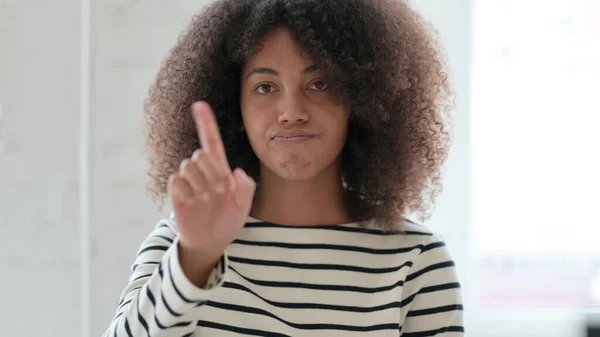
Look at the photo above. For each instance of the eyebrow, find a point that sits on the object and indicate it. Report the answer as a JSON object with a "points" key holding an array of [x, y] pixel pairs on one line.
{"points": [[270, 71]]}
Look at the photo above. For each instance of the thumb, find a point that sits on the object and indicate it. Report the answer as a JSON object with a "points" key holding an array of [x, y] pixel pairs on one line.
{"points": [[244, 189]]}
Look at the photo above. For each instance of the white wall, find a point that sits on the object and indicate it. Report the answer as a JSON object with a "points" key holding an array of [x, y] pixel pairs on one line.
{"points": [[39, 94]]}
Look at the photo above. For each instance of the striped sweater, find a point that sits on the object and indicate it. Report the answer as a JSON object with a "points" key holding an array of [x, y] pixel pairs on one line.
{"points": [[277, 280]]}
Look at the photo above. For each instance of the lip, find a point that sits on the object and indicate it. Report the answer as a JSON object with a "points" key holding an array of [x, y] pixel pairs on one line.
{"points": [[292, 136]]}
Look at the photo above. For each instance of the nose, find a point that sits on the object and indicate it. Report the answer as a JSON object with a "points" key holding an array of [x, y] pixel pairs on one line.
{"points": [[292, 110]]}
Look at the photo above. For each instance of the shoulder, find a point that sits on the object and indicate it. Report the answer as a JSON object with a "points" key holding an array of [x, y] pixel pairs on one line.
{"points": [[423, 250], [432, 244], [408, 233], [432, 266], [415, 244], [410, 227]]}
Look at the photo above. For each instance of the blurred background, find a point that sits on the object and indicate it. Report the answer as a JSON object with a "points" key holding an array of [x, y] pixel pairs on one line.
{"points": [[519, 210]]}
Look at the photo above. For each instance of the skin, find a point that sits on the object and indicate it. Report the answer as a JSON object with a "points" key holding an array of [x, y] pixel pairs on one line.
{"points": [[297, 132], [282, 91]]}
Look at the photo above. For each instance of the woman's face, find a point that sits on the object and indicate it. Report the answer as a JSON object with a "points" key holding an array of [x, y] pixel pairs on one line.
{"points": [[292, 122]]}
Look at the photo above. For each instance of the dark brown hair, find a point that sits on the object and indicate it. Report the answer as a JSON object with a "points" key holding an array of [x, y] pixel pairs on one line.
{"points": [[379, 56]]}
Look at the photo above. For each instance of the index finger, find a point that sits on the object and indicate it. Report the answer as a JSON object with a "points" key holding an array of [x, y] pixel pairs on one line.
{"points": [[208, 132]]}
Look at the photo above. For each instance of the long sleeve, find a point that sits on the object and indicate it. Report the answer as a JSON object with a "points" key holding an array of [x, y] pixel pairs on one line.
{"points": [[432, 303], [159, 300]]}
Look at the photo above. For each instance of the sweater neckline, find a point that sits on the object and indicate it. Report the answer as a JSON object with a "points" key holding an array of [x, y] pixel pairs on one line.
{"points": [[252, 220]]}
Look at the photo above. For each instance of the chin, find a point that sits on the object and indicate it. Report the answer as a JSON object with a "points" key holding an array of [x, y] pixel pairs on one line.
{"points": [[295, 170], [293, 175]]}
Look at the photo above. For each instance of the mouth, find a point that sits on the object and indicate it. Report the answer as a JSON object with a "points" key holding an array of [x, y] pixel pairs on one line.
{"points": [[293, 136]]}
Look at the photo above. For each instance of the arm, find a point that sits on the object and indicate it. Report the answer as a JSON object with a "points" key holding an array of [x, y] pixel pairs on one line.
{"points": [[159, 299], [431, 300]]}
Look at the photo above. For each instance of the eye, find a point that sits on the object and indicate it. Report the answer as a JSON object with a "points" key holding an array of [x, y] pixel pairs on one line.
{"points": [[264, 88], [319, 85]]}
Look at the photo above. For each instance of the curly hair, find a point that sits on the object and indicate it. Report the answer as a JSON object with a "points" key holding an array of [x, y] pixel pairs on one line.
{"points": [[380, 57]]}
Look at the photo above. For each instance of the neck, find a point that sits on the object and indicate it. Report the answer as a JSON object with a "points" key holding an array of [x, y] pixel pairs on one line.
{"points": [[313, 202]]}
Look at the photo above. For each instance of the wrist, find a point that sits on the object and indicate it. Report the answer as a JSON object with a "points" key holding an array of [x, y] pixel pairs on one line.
{"points": [[197, 263]]}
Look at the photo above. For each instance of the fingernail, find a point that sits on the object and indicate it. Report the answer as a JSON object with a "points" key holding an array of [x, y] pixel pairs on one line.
{"points": [[195, 110], [220, 188], [196, 104], [199, 108]]}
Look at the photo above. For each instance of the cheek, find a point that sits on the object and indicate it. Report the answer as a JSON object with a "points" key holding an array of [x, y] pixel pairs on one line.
{"points": [[342, 135], [256, 125], [338, 125]]}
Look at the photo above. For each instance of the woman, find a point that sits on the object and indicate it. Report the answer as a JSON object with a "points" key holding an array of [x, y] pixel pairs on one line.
{"points": [[322, 124]]}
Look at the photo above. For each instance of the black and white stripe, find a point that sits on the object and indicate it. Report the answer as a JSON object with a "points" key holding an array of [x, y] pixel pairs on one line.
{"points": [[277, 280]]}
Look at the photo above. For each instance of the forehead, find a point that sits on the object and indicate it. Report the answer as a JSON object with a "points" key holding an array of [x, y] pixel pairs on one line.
{"points": [[279, 48]]}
